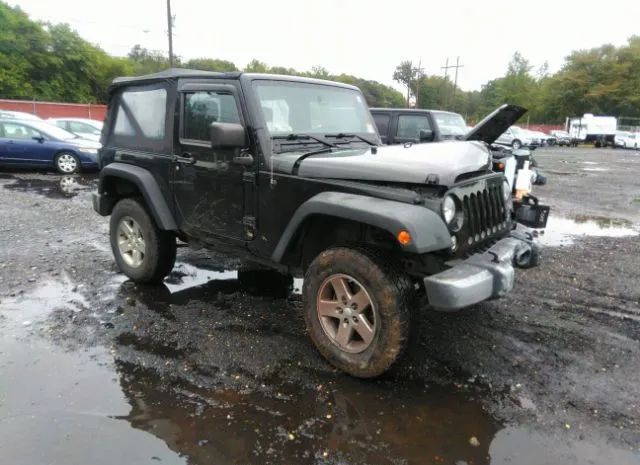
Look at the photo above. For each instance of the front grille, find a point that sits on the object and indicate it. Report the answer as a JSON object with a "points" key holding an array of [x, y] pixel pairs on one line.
{"points": [[484, 213]]}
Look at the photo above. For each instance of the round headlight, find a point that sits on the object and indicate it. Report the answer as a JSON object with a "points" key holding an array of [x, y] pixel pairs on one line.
{"points": [[506, 190], [449, 209]]}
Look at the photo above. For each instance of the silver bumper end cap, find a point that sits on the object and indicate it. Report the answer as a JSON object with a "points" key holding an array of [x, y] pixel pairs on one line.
{"points": [[483, 276]]}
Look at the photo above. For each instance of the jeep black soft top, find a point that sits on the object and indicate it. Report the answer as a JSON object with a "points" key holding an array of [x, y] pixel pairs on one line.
{"points": [[290, 172]]}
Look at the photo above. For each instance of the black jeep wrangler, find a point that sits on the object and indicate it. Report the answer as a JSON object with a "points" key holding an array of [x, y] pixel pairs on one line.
{"points": [[290, 173]]}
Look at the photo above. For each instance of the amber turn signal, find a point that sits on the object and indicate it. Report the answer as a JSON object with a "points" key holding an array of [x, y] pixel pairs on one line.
{"points": [[500, 166], [404, 237]]}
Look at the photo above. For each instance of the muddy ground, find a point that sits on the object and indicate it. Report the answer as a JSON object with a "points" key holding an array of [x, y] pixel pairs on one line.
{"points": [[209, 370]]}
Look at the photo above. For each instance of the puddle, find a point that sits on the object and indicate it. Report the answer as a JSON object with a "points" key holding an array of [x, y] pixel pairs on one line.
{"points": [[27, 309], [346, 421], [79, 407], [62, 408], [563, 231], [54, 187], [185, 276], [54, 403]]}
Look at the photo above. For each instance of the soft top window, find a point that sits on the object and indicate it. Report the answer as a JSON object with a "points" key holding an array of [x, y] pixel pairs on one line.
{"points": [[140, 118]]}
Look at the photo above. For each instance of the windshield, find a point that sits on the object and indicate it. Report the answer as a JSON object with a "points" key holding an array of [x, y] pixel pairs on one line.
{"points": [[450, 124], [51, 130], [306, 108]]}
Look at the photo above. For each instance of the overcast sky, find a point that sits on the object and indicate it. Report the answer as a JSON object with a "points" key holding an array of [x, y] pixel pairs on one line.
{"points": [[361, 37]]}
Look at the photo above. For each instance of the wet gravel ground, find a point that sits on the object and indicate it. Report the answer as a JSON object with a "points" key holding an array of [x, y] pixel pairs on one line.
{"points": [[209, 368]]}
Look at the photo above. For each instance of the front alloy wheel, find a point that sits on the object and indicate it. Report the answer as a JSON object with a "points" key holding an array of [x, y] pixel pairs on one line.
{"points": [[67, 163], [357, 306], [346, 312]]}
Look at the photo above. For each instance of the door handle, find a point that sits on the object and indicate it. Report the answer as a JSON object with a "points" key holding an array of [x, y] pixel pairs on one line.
{"points": [[185, 157]]}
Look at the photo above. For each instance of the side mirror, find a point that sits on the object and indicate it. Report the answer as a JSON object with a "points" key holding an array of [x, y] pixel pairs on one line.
{"points": [[40, 139], [426, 135], [228, 135]]}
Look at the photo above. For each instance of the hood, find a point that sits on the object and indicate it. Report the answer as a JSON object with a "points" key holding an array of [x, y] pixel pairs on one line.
{"points": [[81, 142], [496, 123], [440, 163]]}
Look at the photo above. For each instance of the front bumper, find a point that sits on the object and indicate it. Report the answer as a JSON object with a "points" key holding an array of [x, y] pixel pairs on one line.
{"points": [[482, 276]]}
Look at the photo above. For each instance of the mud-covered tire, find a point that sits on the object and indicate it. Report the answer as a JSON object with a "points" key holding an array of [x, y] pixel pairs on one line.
{"points": [[159, 246], [391, 293]]}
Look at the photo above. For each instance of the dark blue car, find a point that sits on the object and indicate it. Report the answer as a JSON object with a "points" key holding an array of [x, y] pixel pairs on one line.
{"points": [[40, 144]]}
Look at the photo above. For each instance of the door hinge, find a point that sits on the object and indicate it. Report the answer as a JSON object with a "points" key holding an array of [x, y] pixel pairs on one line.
{"points": [[249, 224]]}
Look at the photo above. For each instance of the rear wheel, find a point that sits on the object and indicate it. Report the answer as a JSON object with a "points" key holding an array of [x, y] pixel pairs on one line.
{"points": [[357, 309], [67, 163], [143, 252]]}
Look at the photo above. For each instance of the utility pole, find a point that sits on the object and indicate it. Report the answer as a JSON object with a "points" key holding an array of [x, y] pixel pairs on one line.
{"points": [[419, 75], [170, 32], [446, 78], [455, 82]]}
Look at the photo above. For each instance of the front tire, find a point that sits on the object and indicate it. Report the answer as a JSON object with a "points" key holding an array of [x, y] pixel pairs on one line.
{"points": [[143, 252], [357, 309], [67, 163]]}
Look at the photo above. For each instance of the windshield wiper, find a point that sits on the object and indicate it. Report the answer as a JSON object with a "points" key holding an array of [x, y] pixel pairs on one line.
{"points": [[344, 135], [296, 165], [297, 136]]}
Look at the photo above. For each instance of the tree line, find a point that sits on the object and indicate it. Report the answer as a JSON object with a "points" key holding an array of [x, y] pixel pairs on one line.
{"points": [[52, 62], [603, 80]]}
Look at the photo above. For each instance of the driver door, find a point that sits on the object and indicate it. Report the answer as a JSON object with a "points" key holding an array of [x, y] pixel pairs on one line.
{"points": [[20, 147], [209, 189]]}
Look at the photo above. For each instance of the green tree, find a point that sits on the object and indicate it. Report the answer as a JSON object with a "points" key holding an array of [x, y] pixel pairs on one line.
{"points": [[146, 61], [256, 66], [406, 74], [319, 72], [211, 64]]}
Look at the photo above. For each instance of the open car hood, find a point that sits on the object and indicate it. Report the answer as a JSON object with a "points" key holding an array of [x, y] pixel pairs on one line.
{"points": [[496, 123]]}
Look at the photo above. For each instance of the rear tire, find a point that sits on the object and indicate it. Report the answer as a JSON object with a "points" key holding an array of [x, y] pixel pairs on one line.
{"points": [[143, 252], [374, 313]]}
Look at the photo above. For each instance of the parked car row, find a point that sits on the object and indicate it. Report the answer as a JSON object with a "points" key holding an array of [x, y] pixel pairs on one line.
{"points": [[31, 141]]}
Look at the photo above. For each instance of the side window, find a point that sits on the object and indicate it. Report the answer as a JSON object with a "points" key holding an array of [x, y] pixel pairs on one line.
{"points": [[382, 122], [205, 107], [409, 126], [77, 126], [142, 114], [19, 131], [61, 124]]}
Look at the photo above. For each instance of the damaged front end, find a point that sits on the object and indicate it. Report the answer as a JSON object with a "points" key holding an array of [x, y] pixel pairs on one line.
{"points": [[482, 276]]}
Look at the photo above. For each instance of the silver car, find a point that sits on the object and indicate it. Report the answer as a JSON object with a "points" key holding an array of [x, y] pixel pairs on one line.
{"points": [[82, 127]]}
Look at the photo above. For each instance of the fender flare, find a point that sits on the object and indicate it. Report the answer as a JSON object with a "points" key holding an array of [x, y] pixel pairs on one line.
{"points": [[427, 228], [146, 184]]}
